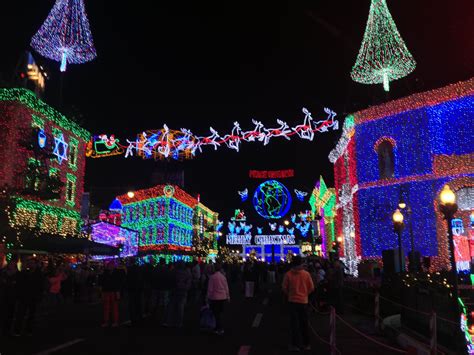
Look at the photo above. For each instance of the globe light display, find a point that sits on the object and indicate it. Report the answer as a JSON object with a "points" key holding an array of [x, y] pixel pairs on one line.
{"points": [[272, 200]]}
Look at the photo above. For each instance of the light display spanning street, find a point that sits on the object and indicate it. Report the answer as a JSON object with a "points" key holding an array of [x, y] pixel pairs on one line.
{"points": [[183, 144]]}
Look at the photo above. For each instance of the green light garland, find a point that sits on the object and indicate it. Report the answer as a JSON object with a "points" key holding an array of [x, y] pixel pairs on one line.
{"points": [[36, 122], [29, 99], [73, 150], [383, 56], [71, 184]]}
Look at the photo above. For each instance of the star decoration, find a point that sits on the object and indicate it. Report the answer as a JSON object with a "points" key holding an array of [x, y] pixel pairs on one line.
{"points": [[60, 148]]}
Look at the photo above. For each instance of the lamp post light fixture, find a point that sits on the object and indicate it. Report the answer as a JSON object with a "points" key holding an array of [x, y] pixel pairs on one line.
{"points": [[398, 226], [286, 222], [131, 194], [403, 206], [448, 208]]}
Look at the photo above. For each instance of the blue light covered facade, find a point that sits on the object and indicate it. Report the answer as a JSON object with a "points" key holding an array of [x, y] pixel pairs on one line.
{"points": [[432, 140]]}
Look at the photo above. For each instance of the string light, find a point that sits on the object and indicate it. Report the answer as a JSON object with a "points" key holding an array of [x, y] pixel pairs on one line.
{"points": [[345, 182], [110, 234], [300, 195], [65, 36], [44, 218], [272, 200], [244, 195], [383, 56], [28, 99], [419, 100], [432, 146], [271, 174], [164, 220], [44, 206], [183, 144]]}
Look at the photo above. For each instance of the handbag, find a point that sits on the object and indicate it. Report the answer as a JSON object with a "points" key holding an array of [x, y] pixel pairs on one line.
{"points": [[206, 318], [249, 288]]}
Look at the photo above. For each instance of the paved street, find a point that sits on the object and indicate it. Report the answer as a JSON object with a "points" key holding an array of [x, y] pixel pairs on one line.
{"points": [[253, 326]]}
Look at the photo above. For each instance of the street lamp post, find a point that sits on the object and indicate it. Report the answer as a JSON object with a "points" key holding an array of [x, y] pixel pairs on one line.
{"points": [[448, 208], [398, 226], [403, 206]]}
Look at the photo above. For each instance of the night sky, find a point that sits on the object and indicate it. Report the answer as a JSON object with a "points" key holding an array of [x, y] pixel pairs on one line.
{"points": [[195, 64]]}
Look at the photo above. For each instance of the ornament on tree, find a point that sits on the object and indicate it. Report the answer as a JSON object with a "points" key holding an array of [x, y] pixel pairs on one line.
{"points": [[383, 56], [65, 35]]}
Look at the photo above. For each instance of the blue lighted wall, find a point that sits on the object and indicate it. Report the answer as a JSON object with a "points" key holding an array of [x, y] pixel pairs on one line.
{"points": [[412, 154], [376, 206], [248, 250], [452, 125], [268, 249]]}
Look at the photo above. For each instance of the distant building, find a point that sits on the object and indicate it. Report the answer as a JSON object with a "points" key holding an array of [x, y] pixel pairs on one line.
{"points": [[163, 215], [31, 75], [42, 156], [126, 240], [205, 229], [406, 150], [323, 208]]}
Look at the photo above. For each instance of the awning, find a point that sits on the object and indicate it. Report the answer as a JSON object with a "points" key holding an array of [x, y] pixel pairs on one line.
{"points": [[70, 245]]}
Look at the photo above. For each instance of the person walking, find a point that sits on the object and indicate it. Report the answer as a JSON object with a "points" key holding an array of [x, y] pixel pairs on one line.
{"points": [[336, 284], [196, 274], [54, 290], [250, 278], [110, 283], [147, 271], [134, 285], [158, 287], [218, 295], [182, 283], [272, 273], [297, 285], [8, 294], [30, 283]]}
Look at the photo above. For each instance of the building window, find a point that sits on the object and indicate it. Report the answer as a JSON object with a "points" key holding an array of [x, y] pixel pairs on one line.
{"points": [[72, 159], [386, 159], [32, 178], [70, 190], [55, 184], [465, 198]]}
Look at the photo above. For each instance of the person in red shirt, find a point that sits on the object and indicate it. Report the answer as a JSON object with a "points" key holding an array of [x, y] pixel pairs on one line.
{"points": [[297, 285], [55, 280]]}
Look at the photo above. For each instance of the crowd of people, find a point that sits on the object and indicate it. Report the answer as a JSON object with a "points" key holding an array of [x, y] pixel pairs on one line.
{"points": [[161, 291]]}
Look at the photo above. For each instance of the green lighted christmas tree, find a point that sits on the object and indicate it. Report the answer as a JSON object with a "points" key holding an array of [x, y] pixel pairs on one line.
{"points": [[383, 56]]}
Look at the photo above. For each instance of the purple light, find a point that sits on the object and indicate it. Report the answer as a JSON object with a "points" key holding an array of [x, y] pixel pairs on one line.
{"points": [[110, 234]]}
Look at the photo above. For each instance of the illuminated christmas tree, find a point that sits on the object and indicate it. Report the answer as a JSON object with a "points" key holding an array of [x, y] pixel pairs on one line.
{"points": [[65, 35], [383, 56]]}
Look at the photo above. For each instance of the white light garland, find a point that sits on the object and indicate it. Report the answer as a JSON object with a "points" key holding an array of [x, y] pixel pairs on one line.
{"points": [[162, 143], [341, 146]]}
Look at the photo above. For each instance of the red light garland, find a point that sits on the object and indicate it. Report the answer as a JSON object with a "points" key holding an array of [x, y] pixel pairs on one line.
{"points": [[271, 174], [413, 102], [158, 191]]}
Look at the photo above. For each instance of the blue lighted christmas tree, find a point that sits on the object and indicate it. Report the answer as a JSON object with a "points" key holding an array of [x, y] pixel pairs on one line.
{"points": [[65, 35]]}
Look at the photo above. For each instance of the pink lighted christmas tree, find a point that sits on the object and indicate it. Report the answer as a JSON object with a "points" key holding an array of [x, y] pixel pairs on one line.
{"points": [[65, 35]]}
